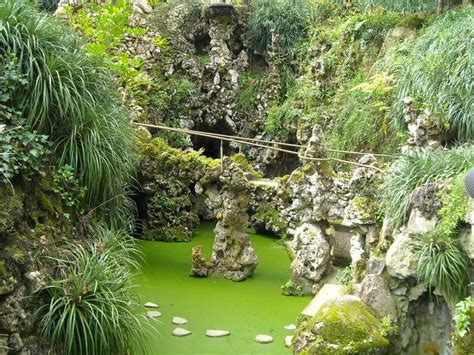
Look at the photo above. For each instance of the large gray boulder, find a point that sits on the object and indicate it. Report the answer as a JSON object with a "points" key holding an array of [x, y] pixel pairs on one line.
{"points": [[376, 294]]}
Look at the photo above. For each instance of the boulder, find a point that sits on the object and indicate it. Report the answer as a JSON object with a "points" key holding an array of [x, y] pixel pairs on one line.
{"points": [[151, 305], [311, 253], [288, 340], [342, 325], [376, 294], [401, 260]]}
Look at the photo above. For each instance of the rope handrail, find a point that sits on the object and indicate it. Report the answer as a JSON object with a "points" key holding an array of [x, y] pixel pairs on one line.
{"points": [[273, 142], [245, 141]]}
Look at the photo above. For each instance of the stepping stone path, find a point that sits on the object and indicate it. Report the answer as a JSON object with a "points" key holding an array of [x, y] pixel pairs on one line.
{"points": [[179, 321], [290, 327], [153, 314], [288, 340], [181, 332], [263, 339], [151, 305], [217, 333]]}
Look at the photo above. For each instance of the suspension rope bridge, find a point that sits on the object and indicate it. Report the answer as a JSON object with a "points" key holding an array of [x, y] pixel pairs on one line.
{"points": [[268, 144]]}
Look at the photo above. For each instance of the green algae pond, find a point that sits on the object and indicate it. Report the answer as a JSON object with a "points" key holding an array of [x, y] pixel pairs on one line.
{"points": [[254, 306]]}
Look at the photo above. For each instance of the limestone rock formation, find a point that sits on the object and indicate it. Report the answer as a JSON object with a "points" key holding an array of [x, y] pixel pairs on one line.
{"points": [[233, 256], [199, 265], [310, 259]]}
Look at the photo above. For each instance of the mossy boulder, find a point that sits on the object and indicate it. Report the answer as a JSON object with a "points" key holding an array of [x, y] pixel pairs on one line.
{"points": [[11, 210], [343, 325]]}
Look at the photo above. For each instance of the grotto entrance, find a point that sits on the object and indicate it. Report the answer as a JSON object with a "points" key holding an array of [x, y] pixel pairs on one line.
{"points": [[212, 146]]}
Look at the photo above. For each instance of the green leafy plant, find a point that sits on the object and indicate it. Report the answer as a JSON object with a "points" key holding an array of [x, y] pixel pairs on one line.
{"points": [[442, 263], [400, 5], [67, 186], [345, 275], [278, 23], [69, 96], [436, 70], [22, 152], [389, 328], [462, 316], [90, 307], [423, 167]]}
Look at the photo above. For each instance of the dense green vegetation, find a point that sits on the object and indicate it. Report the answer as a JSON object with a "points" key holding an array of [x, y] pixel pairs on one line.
{"points": [[62, 92], [421, 168], [89, 307], [436, 70]]}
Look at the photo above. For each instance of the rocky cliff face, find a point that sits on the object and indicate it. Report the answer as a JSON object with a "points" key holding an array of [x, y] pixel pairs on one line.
{"points": [[33, 228]]}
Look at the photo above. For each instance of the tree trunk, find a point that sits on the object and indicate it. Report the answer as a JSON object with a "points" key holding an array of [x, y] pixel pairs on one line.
{"points": [[440, 7]]}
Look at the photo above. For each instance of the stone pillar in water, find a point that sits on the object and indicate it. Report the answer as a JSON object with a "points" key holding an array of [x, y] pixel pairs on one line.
{"points": [[233, 256]]}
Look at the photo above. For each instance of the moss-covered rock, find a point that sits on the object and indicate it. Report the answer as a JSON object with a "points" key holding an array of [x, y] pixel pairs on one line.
{"points": [[343, 325]]}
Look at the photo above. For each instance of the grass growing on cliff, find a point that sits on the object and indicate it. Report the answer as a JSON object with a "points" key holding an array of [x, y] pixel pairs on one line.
{"points": [[443, 264], [69, 96], [437, 72], [90, 307], [413, 171], [281, 23]]}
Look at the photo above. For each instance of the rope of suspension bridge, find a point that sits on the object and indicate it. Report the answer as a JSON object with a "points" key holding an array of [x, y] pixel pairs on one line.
{"points": [[251, 142]]}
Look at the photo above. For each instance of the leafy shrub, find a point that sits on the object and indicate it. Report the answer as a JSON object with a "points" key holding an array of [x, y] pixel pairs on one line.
{"points": [[461, 316], [443, 264], [345, 275], [389, 328], [363, 108], [69, 96], [22, 153], [282, 23], [414, 171], [68, 187], [89, 304], [437, 71]]}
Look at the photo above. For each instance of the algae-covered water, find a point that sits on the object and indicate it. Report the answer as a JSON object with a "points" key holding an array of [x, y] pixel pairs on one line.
{"points": [[254, 306]]}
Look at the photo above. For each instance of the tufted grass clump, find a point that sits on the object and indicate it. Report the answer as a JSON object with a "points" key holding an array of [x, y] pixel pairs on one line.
{"points": [[284, 20], [413, 171], [90, 307], [443, 264], [68, 95], [437, 72]]}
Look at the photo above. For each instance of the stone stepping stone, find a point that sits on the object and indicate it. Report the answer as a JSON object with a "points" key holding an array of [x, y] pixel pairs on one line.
{"points": [[151, 305], [217, 333], [179, 321], [290, 327], [181, 332], [288, 340], [153, 314], [263, 339]]}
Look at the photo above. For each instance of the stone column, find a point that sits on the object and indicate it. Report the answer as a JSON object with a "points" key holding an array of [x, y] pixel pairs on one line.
{"points": [[233, 256]]}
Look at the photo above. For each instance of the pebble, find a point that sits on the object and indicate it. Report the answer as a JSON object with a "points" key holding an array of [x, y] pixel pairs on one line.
{"points": [[290, 327], [179, 321], [288, 340], [181, 332], [263, 339], [217, 333], [153, 314], [151, 305]]}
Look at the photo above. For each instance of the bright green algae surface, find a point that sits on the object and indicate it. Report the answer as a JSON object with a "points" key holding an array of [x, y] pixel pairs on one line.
{"points": [[254, 306]]}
